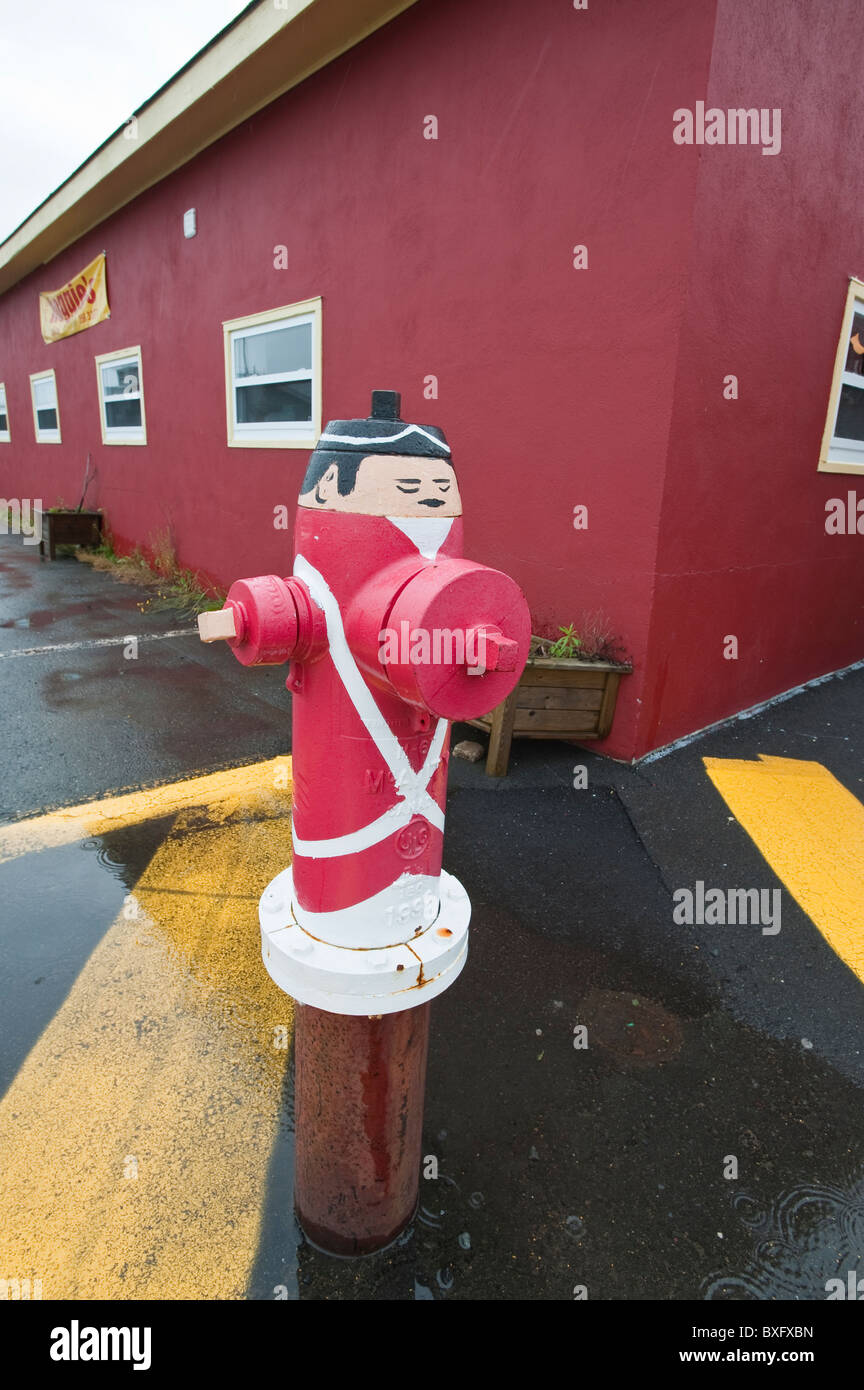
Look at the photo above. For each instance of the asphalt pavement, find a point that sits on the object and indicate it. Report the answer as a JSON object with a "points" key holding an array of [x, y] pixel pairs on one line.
{"points": [[622, 1105]]}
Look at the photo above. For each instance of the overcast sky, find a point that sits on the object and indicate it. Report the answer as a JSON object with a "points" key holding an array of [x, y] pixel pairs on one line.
{"points": [[72, 71]]}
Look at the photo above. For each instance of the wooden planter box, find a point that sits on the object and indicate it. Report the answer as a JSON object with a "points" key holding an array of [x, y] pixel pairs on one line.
{"points": [[555, 698], [69, 528]]}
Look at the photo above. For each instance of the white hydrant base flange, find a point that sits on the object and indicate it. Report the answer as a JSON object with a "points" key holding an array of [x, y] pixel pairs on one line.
{"points": [[351, 980]]}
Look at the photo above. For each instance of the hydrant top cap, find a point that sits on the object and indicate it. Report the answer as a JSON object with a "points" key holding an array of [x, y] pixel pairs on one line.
{"points": [[386, 405]]}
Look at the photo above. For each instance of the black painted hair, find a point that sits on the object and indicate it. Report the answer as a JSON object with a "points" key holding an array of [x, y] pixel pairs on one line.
{"points": [[322, 459]]}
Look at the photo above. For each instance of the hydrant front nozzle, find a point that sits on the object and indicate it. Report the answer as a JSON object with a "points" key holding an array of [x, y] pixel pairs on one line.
{"points": [[493, 650]]}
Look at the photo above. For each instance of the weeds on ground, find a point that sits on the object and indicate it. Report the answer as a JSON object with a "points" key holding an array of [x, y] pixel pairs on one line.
{"points": [[174, 589]]}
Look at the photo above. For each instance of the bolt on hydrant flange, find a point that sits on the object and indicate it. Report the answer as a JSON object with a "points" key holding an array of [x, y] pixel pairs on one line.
{"points": [[391, 635]]}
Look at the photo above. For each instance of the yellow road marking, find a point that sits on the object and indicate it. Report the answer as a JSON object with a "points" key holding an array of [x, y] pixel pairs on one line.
{"points": [[73, 823], [136, 1137], [811, 831]]}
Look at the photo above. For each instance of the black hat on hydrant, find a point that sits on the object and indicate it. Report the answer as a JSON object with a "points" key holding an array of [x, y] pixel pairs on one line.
{"points": [[384, 432]]}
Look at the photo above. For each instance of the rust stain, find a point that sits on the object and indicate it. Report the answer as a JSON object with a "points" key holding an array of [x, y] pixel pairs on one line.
{"points": [[421, 978], [632, 1029]]}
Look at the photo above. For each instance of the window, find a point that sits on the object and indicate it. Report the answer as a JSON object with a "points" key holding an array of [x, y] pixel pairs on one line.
{"points": [[273, 377], [843, 440], [46, 415], [121, 397], [5, 436]]}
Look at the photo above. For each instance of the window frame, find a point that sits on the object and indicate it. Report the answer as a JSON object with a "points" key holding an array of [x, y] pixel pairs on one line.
{"points": [[45, 436], [6, 435], [114, 435], [305, 435], [827, 464]]}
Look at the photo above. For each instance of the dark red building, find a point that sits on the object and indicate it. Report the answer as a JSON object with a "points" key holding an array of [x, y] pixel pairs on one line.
{"points": [[532, 221]]}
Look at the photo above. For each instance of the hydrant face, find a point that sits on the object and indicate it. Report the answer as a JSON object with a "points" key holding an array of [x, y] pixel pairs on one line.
{"points": [[386, 485]]}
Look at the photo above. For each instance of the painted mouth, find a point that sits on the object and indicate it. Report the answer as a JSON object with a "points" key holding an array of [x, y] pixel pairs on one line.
{"points": [[431, 502]]}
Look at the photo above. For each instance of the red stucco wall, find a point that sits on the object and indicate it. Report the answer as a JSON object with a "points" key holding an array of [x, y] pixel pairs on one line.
{"points": [[743, 550], [454, 257]]}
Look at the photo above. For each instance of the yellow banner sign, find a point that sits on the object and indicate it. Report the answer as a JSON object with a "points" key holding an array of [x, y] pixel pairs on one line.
{"points": [[76, 306]]}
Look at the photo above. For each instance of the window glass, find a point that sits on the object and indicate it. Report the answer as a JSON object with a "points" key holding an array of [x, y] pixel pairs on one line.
{"points": [[44, 391], [273, 352], [283, 400], [121, 394], [855, 353], [850, 413]]}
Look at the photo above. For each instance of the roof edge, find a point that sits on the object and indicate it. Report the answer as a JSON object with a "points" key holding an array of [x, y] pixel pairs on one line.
{"points": [[259, 56]]}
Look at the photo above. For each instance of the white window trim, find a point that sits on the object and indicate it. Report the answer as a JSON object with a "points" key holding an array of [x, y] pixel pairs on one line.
{"points": [[45, 436], [115, 435], [297, 436], [837, 456], [6, 435]]}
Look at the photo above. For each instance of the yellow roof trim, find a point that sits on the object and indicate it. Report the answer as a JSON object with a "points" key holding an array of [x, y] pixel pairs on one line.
{"points": [[260, 55]]}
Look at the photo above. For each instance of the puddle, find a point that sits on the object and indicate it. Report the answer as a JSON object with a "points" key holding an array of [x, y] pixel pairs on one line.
{"points": [[101, 610], [808, 1236], [14, 577], [427, 1262], [57, 906], [53, 918]]}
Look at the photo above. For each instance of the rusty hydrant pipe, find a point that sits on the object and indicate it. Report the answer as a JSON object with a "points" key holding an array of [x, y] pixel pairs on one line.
{"points": [[359, 1086]]}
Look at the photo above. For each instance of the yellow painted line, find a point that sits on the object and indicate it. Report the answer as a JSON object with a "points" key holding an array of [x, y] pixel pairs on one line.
{"points": [[811, 831], [73, 823], [136, 1138]]}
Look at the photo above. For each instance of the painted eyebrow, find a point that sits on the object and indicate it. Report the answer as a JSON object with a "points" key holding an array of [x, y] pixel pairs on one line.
{"points": [[441, 481], [409, 480]]}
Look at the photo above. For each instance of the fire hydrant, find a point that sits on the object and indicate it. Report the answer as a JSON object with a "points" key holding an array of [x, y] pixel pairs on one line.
{"points": [[391, 635]]}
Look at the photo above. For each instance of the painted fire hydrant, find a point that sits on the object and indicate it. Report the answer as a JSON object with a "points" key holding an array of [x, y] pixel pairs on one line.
{"points": [[391, 635]]}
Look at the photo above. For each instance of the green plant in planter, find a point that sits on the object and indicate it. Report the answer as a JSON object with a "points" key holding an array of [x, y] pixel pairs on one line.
{"points": [[568, 644], [591, 641]]}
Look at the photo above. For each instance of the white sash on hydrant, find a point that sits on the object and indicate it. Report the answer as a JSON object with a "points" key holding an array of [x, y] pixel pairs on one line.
{"points": [[374, 921]]}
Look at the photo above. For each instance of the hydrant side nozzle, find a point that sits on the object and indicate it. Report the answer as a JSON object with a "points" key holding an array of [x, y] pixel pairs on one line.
{"points": [[218, 625]]}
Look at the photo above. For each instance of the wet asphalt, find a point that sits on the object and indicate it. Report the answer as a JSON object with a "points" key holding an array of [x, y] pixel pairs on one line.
{"points": [[559, 1168]]}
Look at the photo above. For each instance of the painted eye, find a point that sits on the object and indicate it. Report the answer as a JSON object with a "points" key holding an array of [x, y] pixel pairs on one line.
{"points": [[443, 484], [408, 484]]}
